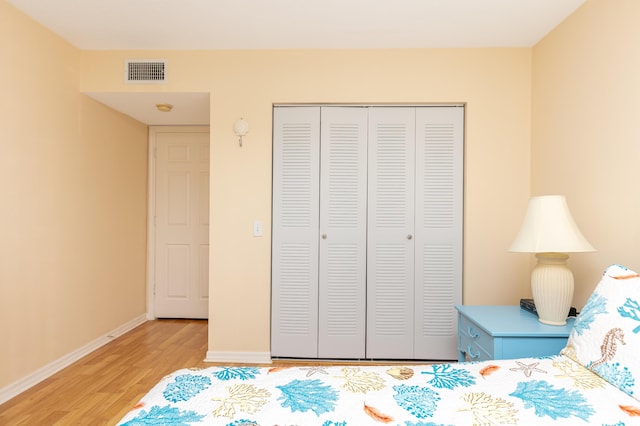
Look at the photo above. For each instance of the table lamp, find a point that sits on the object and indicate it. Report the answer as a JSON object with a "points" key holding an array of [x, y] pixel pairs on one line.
{"points": [[550, 232]]}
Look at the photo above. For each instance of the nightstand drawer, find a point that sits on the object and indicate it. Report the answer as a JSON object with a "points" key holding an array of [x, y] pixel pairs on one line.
{"points": [[473, 351], [472, 340], [506, 332]]}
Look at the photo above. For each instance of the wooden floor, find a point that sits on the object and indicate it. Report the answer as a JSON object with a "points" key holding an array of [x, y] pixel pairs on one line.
{"points": [[102, 387]]}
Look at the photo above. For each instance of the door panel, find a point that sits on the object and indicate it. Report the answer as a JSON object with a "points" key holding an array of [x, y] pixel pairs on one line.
{"points": [[390, 251], [182, 222], [438, 229], [294, 279], [343, 230]]}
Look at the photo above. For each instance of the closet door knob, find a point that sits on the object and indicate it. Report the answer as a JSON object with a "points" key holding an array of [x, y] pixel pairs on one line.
{"points": [[409, 237], [324, 236]]}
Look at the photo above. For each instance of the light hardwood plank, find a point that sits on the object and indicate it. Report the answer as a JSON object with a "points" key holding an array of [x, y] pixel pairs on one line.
{"points": [[102, 387]]}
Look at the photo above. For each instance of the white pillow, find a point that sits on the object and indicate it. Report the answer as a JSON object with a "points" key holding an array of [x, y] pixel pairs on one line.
{"points": [[606, 334]]}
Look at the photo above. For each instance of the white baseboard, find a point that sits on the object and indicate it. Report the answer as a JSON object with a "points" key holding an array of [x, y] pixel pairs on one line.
{"points": [[239, 357], [21, 385]]}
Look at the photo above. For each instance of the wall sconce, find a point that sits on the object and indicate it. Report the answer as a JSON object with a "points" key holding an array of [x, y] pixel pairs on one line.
{"points": [[240, 128]]}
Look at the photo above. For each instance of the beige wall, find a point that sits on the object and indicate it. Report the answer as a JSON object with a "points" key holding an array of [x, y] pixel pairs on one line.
{"points": [[558, 118], [494, 83], [586, 131], [73, 216]]}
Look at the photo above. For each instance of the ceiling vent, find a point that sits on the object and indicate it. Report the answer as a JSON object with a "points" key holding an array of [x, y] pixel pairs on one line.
{"points": [[145, 71]]}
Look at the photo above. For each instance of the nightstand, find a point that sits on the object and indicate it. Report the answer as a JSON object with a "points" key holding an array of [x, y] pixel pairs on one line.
{"points": [[506, 332]]}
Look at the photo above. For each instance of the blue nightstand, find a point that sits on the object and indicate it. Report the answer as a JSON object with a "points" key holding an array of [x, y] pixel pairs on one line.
{"points": [[506, 332]]}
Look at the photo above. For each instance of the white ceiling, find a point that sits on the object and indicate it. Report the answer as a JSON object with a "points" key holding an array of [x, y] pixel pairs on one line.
{"points": [[280, 24], [277, 24]]}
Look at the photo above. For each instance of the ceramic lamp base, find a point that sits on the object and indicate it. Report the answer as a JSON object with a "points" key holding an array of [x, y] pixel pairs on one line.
{"points": [[552, 287]]}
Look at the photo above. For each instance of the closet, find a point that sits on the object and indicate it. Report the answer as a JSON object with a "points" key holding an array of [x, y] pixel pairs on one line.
{"points": [[367, 231]]}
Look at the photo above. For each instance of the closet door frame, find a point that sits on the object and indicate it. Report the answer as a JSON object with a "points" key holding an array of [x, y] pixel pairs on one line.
{"points": [[407, 309]]}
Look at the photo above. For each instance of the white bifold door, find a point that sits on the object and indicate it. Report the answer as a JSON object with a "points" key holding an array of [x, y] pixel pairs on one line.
{"points": [[367, 231]]}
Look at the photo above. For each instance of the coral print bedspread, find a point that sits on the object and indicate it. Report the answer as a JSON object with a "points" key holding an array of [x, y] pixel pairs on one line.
{"points": [[531, 391], [594, 381]]}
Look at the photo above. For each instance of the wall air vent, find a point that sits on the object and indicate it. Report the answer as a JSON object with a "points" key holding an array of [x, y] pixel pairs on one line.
{"points": [[145, 71]]}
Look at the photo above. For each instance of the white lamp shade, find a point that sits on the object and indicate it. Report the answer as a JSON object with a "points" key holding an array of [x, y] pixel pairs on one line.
{"points": [[548, 227]]}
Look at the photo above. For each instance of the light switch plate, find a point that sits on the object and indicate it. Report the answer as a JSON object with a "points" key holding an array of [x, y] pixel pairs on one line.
{"points": [[257, 228]]}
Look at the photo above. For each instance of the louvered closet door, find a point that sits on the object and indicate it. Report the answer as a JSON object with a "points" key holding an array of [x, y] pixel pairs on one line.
{"points": [[390, 251], [343, 231], [438, 230], [296, 149]]}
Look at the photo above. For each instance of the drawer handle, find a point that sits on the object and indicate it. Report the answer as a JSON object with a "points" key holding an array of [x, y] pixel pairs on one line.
{"points": [[471, 354], [472, 333]]}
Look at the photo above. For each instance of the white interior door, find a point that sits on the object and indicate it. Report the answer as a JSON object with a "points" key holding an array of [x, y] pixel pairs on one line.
{"points": [[438, 230], [181, 222], [343, 232], [367, 231], [294, 270], [390, 252]]}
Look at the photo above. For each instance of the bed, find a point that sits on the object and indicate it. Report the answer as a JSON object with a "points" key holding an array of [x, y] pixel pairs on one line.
{"points": [[594, 380]]}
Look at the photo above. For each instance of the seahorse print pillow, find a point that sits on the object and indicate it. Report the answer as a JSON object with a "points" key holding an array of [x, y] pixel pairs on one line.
{"points": [[606, 334]]}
